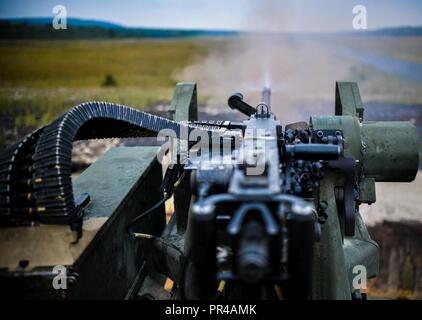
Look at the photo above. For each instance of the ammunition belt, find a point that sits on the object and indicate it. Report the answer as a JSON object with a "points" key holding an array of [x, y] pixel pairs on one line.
{"points": [[35, 173]]}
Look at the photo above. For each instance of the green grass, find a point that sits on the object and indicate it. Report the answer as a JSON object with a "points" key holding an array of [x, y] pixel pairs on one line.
{"points": [[40, 80], [32, 107], [76, 64]]}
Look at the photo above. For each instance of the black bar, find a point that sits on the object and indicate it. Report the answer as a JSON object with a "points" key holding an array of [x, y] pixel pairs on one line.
{"points": [[313, 151]]}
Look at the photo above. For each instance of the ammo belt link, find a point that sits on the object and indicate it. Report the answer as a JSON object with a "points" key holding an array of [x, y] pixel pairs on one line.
{"points": [[35, 173]]}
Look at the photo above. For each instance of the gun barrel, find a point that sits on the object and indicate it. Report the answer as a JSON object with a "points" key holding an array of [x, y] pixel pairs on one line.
{"points": [[266, 96]]}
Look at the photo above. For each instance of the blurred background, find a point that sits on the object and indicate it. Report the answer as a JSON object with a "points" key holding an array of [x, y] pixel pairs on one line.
{"points": [[135, 52]]}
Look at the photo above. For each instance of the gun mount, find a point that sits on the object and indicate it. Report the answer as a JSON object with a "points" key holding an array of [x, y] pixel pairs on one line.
{"points": [[262, 209]]}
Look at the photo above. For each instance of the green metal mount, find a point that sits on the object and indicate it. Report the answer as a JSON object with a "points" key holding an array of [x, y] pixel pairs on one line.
{"points": [[348, 100], [184, 107], [337, 255], [168, 262]]}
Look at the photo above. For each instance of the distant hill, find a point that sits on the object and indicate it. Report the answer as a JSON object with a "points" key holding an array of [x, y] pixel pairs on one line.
{"points": [[396, 32], [71, 22], [405, 31], [41, 28]]}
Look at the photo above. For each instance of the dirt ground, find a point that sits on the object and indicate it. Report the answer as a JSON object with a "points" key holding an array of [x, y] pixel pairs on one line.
{"points": [[395, 202]]}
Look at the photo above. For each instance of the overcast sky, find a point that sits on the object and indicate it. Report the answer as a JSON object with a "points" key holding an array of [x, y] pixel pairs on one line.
{"points": [[268, 15]]}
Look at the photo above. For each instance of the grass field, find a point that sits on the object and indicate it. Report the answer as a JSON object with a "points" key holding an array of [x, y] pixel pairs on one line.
{"points": [[39, 80], [147, 64]]}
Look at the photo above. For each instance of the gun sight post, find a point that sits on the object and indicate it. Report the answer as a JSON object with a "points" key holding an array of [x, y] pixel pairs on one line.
{"points": [[266, 97]]}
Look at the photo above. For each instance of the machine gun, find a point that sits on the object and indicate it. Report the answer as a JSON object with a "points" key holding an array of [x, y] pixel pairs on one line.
{"points": [[280, 218], [267, 224], [271, 212], [255, 212]]}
